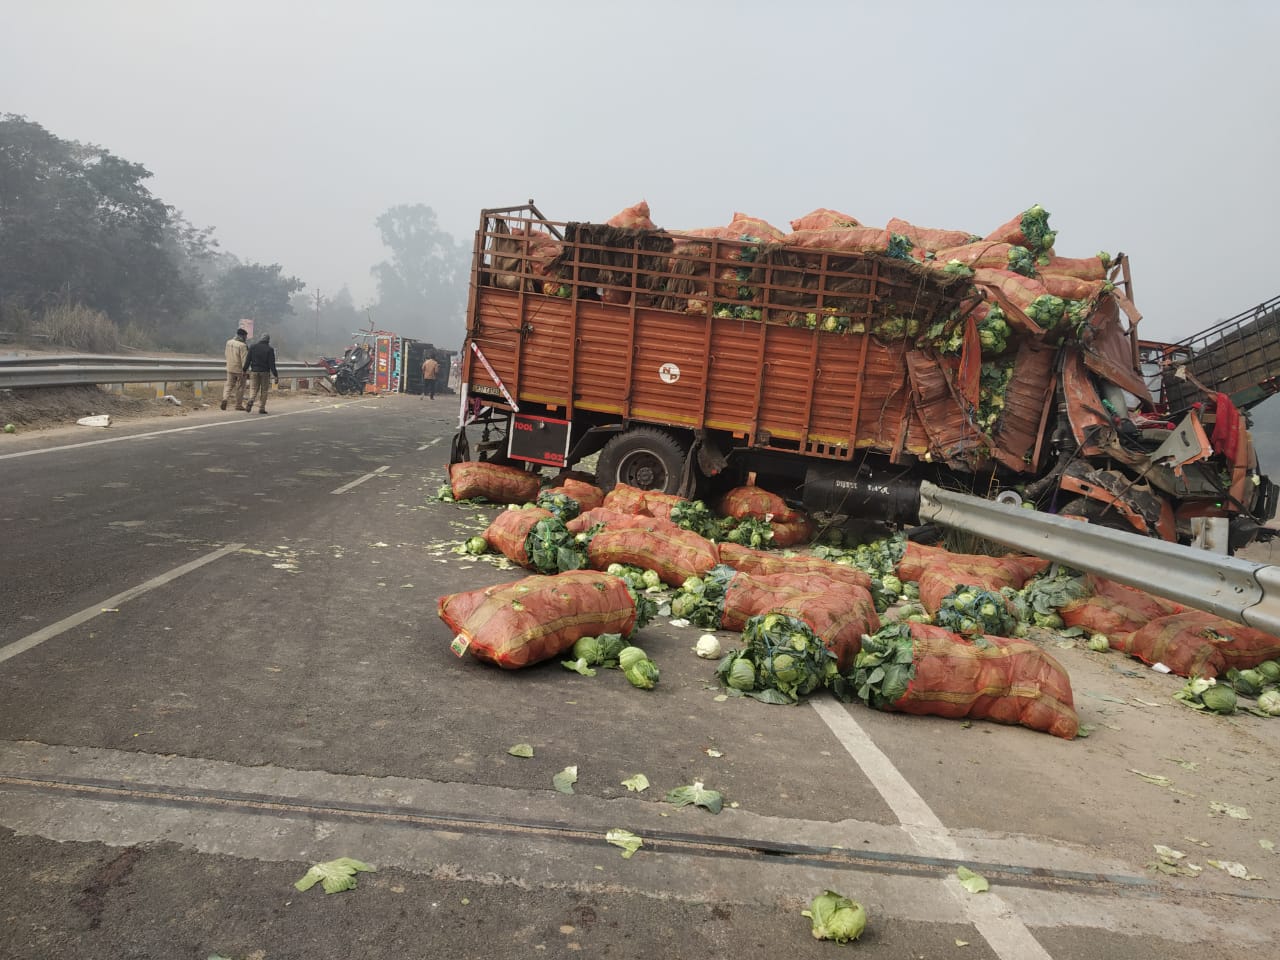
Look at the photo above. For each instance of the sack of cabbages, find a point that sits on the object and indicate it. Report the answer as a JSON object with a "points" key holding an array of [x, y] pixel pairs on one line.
{"points": [[839, 613], [758, 562], [501, 484], [1198, 644], [613, 519], [571, 498], [675, 554], [588, 495], [509, 532], [939, 572], [918, 557], [634, 217], [661, 504], [927, 670], [1114, 609], [743, 502], [626, 499], [792, 533], [536, 618]]}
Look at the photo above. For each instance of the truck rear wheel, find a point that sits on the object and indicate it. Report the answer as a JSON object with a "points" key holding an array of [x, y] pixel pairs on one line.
{"points": [[644, 457]]}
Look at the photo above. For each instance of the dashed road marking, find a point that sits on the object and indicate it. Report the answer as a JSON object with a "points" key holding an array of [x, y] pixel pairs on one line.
{"points": [[359, 480], [109, 605], [1007, 936]]}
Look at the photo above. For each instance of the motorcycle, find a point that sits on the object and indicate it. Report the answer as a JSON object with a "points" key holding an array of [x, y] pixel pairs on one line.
{"points": [[354, 370]]}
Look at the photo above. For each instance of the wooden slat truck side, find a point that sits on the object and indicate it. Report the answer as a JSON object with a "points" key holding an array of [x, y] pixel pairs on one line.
{"points": [[684, 357]]}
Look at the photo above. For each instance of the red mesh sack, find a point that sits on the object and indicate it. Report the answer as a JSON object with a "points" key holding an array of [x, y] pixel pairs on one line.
{"points": [[1008, 681], [635, 217], [1019, 290], [1114, 609], [614, 520], [1180, 641], [838, 613], [675, 554], [1189, 632], [793, 533], [929, 239], [979, 255], [456, 607], [988, 573], [852, 240], [917, 558], [510, 530], [837, 622], [1083, 268], [1011, 232], [588, 495], [824, 219], [626, 499], [1071, 288], [501, 484], [743, 502], [660, 504], [1246, 647], [538, 617], [746, 560], [744, 225]]}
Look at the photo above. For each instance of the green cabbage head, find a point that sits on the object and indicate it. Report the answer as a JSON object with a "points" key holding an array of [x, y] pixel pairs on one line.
{"points": [[836, 917]]}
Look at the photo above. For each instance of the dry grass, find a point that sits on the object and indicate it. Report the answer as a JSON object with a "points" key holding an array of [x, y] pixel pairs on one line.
{"points": [[78, 327]]}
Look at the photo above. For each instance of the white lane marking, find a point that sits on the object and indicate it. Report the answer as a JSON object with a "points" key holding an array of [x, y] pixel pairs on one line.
{"points": [[160, 433], [430, 443], [359, 480], [1007, 936], [110, 604]]}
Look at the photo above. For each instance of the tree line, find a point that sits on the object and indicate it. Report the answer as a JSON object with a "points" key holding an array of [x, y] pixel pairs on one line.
{"points": [[91, 259]]}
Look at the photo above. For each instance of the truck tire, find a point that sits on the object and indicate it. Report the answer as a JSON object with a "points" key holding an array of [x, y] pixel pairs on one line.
{"points": [[643, 457]]}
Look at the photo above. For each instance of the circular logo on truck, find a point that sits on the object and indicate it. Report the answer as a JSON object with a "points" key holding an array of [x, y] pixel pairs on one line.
{"points": [[669, 373]]}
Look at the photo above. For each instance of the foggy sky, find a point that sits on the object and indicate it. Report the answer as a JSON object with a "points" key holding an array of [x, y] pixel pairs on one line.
{"points": [[1144, 127]]}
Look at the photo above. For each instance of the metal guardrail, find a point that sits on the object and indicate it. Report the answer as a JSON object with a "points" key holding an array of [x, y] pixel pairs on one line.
{"points": [[60, 359], [61, 374], [1238, 590]]}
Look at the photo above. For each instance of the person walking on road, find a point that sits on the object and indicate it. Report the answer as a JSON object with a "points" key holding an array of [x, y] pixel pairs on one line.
{"points": [[237, 350], [430, 370], [260, 362]]}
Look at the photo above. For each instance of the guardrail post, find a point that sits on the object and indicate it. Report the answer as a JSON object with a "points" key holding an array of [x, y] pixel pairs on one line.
{"points": [[159, 389], [198, 387], [293, 385]]}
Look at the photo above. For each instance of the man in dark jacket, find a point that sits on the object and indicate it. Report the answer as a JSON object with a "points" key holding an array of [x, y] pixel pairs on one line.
{"points": [[260, 362]]}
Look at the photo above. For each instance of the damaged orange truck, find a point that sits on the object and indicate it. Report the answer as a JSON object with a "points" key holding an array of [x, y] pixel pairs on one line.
{"points": [[846, 362]]}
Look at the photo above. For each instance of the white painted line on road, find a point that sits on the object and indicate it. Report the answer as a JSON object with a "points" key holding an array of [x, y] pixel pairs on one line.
{"points": [[160, 433], [430, 443], [359, 480], [110, 604], [1007, 936]]}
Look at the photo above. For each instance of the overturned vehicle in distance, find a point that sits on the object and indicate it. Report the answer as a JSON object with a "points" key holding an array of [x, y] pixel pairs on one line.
{"points": [[849, 363]]}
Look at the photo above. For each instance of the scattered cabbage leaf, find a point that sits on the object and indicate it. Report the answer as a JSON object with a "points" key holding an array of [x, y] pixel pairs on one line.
{"points": [[697, 795], [565, 779], [625, 839], [973, 882], [334, 875]]}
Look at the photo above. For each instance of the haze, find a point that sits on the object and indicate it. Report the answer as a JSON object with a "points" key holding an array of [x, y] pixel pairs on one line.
{"points": [[1148, 128]]}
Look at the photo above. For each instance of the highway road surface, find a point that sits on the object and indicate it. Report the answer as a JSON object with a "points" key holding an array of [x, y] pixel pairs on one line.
{"points": [[220, 663]]}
